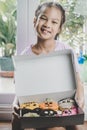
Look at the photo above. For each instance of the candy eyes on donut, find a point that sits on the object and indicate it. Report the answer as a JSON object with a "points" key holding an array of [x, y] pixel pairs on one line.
{"points": [[48, 103], [34, 104], [63, 101], [48, 112], [67, 111]]}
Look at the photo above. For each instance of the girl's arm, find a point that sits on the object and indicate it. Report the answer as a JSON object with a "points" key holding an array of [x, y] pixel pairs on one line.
{"points": [[79, 97]]}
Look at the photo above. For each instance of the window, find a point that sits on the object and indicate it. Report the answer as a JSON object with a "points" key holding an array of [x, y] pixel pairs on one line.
{"points": [[8, 25]]}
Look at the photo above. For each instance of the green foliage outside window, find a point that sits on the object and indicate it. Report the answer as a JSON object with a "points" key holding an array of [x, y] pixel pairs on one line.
{"points": [[8, 27]]}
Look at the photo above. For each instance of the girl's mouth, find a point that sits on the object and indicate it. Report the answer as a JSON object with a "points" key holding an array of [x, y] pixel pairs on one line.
{"points": [[44, 30]]}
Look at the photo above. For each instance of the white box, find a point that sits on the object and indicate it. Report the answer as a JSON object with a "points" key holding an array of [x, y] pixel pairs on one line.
{"points": [[46, 76]]}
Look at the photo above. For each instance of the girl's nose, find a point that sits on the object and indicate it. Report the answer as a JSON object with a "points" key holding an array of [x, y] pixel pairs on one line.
{"points": [[48, 24]]}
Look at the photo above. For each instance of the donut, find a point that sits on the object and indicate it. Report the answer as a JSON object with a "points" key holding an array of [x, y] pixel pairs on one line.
{"points": [[29, 114], [68, 112], [48, 112], [67, 103], [29, 105], [49, 104]]}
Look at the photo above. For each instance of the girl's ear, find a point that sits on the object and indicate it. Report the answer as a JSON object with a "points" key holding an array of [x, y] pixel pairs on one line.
{"points": [[35, 20]]}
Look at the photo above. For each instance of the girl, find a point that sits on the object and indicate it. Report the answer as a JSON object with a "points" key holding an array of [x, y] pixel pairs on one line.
{"points": [[48, 22]]}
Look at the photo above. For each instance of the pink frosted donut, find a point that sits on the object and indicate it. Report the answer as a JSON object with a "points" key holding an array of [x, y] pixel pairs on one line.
{"points": [[68, 112]]}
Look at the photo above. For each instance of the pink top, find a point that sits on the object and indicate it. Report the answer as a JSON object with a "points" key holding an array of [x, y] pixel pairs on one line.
{"points": [[59, 46]]}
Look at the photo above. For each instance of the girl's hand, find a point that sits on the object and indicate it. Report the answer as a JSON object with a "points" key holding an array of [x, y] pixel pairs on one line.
{"points": [[16, 109]]}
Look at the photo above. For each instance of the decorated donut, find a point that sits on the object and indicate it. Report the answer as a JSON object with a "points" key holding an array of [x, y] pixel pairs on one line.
{"points": [[72, 111], [48, 112], [31, 114], [29, 105], [49, 104], [67, 103]]}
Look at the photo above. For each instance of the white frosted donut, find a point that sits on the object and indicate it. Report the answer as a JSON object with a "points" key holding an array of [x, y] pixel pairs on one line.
{"points": [[66, 103]]}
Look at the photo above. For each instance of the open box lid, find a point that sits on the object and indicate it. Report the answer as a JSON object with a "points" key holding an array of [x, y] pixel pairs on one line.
{"points": [[52, 73]]}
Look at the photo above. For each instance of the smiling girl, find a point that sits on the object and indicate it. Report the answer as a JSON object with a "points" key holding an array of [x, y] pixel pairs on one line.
{"points": [[48, 22]]}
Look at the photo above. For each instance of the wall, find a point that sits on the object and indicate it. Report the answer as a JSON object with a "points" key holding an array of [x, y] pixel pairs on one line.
{"points": [[25, 30]]}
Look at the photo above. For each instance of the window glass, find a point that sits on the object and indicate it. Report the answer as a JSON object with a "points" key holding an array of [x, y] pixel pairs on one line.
{"points": [[8, 26]]}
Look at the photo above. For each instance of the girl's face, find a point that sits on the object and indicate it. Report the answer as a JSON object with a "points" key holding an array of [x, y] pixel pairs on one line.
{"points": [[48, 23]]}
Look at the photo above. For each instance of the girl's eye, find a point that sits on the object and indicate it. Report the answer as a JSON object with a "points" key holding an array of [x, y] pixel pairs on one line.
{"points": [[43, 18], [54, 22]]}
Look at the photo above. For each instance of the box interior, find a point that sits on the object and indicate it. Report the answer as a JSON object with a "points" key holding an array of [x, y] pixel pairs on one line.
{"points": [[45, 76]]}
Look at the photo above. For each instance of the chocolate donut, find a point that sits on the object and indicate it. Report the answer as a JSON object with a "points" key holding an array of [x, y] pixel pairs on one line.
{"points": [[48, 112]]}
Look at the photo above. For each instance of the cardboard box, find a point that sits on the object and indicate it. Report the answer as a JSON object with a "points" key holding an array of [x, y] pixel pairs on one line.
{"points": [[46, 76]]}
